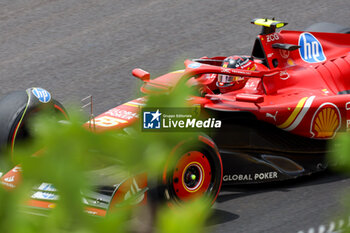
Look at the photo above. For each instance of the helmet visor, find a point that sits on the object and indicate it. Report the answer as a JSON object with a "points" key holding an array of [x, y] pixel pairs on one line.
{"points": [[222, 78]]}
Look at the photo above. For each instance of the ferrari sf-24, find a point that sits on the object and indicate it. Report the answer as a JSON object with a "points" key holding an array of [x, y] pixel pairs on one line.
{"points": [[277, 108]]}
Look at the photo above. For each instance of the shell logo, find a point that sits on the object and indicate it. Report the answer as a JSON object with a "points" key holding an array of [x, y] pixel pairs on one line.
{"points": [[326, 121]]}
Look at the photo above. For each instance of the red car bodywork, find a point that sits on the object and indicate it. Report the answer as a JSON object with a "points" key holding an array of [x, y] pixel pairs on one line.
{"points": [[304, 90], [307, 99]]}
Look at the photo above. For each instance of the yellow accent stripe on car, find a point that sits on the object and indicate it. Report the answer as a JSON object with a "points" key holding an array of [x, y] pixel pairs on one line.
{"points": [[301, 115], [20, 122], [294, 114], [132, 105], [136, 103], [178, 71]]}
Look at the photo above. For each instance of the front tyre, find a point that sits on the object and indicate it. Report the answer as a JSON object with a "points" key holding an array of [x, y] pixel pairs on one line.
{"points": [[16, 110]]}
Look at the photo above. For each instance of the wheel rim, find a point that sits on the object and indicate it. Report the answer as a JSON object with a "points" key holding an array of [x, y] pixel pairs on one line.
{"points": [[192, 176]]}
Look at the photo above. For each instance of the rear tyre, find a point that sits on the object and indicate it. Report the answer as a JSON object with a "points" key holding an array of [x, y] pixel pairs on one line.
{"points": [[196, 172], [16, 108], [328, 27]]}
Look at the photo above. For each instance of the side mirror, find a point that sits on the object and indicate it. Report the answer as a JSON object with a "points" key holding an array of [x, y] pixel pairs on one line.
{"points": [[251, 98], [141, 74]]}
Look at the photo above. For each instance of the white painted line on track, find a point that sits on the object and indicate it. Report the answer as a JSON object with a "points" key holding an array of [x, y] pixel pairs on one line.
{"points": [[333, 227]]}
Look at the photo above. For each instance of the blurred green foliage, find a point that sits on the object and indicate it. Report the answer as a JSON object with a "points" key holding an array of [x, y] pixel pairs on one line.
{"points": [[339, 161], [340, 150], [185, 219], [71, 156]]}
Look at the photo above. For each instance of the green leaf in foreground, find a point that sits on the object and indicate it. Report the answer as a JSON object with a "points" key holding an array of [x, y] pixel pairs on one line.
{"points": [[71, 157]]}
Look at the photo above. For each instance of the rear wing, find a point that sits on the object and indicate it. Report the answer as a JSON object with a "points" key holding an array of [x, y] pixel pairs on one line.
{"points": [[268, 25]]}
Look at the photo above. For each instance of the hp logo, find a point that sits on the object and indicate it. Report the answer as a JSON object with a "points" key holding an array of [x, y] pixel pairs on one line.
{"points": [[310, 50], [43, 95]]}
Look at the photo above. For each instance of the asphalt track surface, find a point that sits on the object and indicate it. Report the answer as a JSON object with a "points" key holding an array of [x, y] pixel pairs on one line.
{"points": [[76, 48]]}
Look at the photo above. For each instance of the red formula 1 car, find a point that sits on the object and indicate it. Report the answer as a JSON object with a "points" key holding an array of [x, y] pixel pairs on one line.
{"points": [[274, 111]]}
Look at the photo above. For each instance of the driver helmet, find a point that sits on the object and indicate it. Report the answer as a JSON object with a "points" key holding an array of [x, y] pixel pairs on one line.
{"points": [[228, 83]]}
